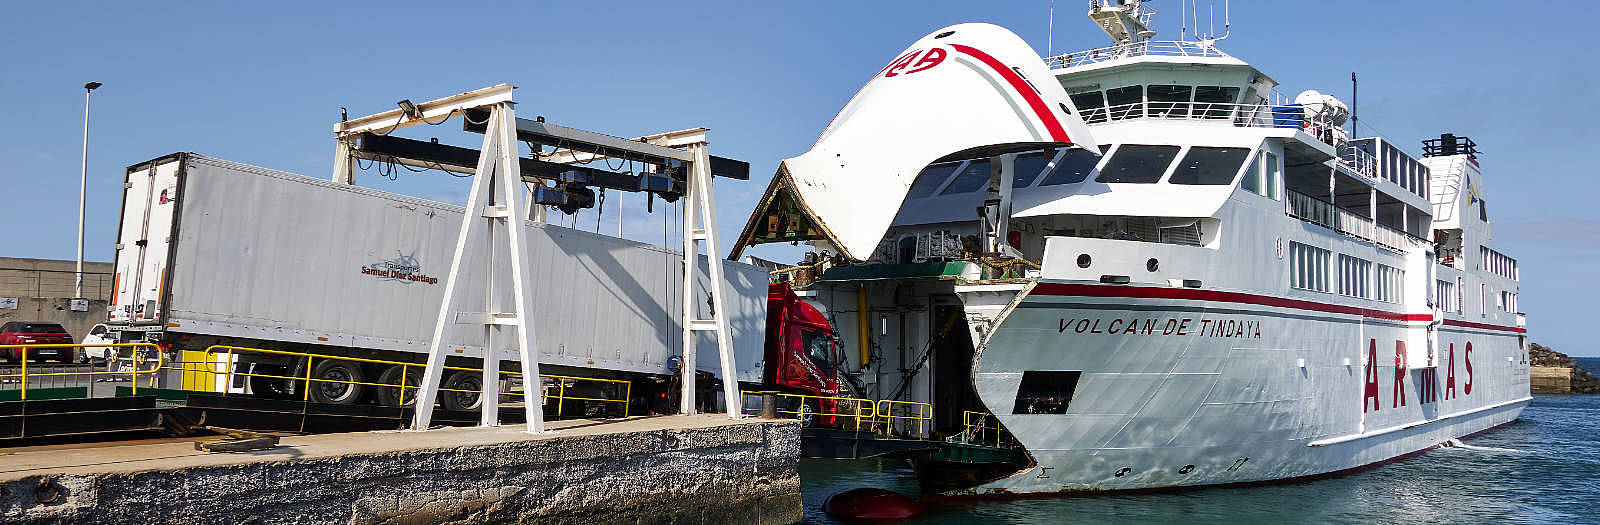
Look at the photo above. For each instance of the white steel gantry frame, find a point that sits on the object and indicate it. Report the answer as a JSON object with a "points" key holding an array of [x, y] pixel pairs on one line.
{"points": [[489, 217]]}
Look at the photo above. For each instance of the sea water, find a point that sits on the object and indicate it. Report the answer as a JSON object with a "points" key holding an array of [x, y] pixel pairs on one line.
{"points": [[1543, 468]]}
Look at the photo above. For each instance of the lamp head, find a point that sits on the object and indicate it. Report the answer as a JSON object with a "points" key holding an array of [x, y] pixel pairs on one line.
{"points": [[91, 85], [410, 110]]}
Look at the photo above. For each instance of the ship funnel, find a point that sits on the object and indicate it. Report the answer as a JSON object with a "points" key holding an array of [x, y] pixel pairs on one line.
{"points": [[962, 88]]}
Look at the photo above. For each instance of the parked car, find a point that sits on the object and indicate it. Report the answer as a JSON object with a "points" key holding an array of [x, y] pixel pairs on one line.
{"points": [[99, 334], [30, 332]]}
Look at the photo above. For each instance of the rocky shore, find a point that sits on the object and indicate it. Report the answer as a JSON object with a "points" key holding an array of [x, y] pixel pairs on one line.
{"points": [[1583, 382]]}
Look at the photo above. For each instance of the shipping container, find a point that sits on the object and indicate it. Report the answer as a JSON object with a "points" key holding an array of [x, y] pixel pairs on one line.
{"points": [[216, 252]]}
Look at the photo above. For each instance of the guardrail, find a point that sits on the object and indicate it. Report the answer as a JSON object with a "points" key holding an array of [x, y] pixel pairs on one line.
{"points": [[982, 428], [403, 382], [880, 416], [1317, 211], [133, 373], [1179, 48]]}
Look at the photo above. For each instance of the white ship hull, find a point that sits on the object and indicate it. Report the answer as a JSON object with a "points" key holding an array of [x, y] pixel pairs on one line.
{"points": [[1166, 398]]}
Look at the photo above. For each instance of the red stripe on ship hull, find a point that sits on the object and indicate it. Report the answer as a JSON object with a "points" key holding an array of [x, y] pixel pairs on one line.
{"points": [[1453, 322], [1144, 292], [1051, 123]]}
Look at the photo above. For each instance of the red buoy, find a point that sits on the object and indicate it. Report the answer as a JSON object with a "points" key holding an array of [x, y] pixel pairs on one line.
{"points": [[871, 504]]}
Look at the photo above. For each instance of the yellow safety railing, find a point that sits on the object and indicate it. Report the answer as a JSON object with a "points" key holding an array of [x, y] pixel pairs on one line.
{"points": [[910, 412], [232, 353], [981, 428], [864, 411], [133, 373], [880, 415]]}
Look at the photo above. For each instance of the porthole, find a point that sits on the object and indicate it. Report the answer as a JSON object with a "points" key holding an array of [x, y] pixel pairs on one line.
{"points": [[1186, 469], [1083, 260], [1152, 264], [944, 34], [1122, 471]]}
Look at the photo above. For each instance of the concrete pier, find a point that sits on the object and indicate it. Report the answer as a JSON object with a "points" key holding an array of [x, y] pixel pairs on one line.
{"points": [[1551, 379], [665, 469]]}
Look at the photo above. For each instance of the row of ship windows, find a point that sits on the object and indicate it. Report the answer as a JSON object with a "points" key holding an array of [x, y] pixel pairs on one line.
{"points": [[1497, 263], [1450, 300], [1128, 163], [1169, 100], [1311, 268]]}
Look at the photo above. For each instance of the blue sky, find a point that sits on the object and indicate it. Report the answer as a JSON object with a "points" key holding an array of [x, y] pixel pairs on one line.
{"points": [[262, 83]]}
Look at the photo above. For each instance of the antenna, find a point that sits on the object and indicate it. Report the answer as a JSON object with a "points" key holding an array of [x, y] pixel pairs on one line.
{"points": [[1183, 19], [1227, 21], [1211, 13], [1050, 35]]}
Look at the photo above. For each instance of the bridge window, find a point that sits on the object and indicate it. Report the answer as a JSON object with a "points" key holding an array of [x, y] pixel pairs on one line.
{"points": [[1206, 165], [1170, 101], [1125, 102], [1073, 168], [976, 176], [1029, 166], [1045, 391], [1091, 106], [1214, 101], [1137, 163], [930, 179]]}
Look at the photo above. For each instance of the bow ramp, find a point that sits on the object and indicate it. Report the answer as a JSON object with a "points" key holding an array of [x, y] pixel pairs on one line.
{"points": [[964, 90]]}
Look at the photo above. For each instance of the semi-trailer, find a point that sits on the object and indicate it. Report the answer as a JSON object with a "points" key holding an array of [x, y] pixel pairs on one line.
{"points": [[211, 252]]}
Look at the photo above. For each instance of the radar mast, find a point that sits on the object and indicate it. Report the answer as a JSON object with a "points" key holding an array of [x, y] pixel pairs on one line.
{"points": [[1125, 21]]}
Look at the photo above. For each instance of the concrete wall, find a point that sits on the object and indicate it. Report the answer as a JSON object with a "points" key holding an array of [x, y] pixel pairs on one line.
{"points": [[43, 287], [1551, 379], [720, 472]]}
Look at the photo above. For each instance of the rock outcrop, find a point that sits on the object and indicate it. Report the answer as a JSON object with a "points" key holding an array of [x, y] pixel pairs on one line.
{"points": [[1582, 381]]}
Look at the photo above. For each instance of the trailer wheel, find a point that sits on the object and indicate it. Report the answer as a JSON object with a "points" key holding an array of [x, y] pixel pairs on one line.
{"points": [[332, 390], [390, 396], [272, 387], [461, 401]]}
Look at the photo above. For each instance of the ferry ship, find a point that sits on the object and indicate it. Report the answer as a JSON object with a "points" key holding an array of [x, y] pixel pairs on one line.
{"points": [[1170, 274]]}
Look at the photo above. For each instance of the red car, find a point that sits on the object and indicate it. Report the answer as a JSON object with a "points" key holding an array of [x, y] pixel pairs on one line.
{"points": [[25, 332]]}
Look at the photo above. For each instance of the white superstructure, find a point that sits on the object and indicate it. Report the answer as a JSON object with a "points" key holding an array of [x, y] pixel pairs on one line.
{"points": [[1226, 289]]}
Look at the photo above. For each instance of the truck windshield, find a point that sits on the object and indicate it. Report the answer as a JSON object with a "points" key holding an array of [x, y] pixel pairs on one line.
{"points": [[818, 347]]}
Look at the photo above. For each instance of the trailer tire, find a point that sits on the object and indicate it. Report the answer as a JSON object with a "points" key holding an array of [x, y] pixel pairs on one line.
{"points": [[337, 393], [461, 401], [389, 396], [272, 387]]}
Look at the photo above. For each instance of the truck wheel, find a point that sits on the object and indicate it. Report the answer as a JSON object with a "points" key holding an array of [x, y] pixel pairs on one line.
{"points": [[809, 413], [461, 401], [273, 387], [392, 396], [332, 390]]}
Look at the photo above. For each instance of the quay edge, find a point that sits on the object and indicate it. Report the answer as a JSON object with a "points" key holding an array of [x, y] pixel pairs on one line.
{"points": [[677, 469]]}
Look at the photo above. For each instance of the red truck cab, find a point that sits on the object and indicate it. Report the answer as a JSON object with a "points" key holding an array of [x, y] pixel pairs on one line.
{"points": [[802, 350]]}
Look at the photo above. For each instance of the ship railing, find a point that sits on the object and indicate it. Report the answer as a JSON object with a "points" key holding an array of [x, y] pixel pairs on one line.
{"points": [[1176, 48], [982, 428], [1287, 116], [1323, 213], [1360, 162], [228, 362], [147, 360], [883, 416]]}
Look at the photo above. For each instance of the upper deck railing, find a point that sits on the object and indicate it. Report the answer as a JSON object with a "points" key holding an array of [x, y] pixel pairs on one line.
{"points": [[1177, 48], [1238, 115], [1316, 211]]}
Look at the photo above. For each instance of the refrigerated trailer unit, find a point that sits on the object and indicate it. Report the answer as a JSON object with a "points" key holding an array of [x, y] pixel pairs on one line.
{"points": [[215, 252]]}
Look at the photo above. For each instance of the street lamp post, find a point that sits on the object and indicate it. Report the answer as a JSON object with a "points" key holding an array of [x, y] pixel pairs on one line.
{"points": [[83, 187]]}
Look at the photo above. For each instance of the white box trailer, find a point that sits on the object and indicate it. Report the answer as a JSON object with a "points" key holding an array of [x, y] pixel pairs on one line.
{"points": [[216, 252]]}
